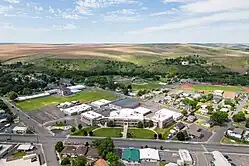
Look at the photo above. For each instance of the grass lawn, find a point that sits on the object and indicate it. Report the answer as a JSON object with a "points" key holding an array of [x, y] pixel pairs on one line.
{"points": [[226, 140], [163, 163], [166, 131], [18, 155], [210, 87], [141, 133], [108, 132], [81, 132], [85, 96], [147, 86]]}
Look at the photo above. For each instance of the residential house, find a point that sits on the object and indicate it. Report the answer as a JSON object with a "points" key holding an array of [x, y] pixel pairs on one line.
{"points": [[217, 99], [236, 132], [191, 118], [64, 91], [101, 162]]}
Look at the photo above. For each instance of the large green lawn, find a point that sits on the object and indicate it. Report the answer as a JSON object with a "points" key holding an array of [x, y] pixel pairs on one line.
{"points": [[108, 132], [147, 86], [141, 133], [84, 97], [165, 131], [214, 87]]}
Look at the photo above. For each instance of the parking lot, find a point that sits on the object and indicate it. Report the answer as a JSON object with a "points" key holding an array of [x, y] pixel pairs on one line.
{"points": [[46, 114], [237, 159]]}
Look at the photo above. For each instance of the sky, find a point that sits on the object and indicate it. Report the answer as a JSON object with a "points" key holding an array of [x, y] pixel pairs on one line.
{"points": [[124, 21]]}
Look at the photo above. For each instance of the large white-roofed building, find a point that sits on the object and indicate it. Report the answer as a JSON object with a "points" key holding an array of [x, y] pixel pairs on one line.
{"points": [[185, 156], [162, 118], [149, 155], [100, 103], [23, 98], [142, 110], [176, 115], [77, 109], [126, 116], [20, 130], [219, 159], [90, 117]]}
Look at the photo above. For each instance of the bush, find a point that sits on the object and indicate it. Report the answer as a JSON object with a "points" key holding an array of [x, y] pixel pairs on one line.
{"points": [[160, 136], [79, 126], [155, 136], [59, 146], [90, 133], [73, 129], [140, 125], [110, 124], [65, 161]]}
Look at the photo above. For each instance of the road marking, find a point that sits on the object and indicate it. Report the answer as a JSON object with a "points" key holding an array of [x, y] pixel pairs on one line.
{"points": [[205, 149]]}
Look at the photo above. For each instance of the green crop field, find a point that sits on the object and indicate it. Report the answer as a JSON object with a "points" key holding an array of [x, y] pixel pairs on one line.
{"points": [[141, 133], [108, 132], [214, 87], [83, 97]]}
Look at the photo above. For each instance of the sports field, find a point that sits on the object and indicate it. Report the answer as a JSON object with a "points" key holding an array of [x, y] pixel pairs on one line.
{"points": [[147, 86], [83, 97], [213, 87]]}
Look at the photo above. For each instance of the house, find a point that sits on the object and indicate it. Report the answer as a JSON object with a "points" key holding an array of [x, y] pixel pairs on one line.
{"points": [[191, 118], [149, 155], [185, 63], [224, 109], [79, 150], [218, 93], [131, 155], [20, 130], [179, 126], [64, 91], [195, 131], [101, 162], [217, 99], [236, 132]]}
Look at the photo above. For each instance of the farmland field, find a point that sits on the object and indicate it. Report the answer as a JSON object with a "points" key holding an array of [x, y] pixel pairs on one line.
{"points": [[83, 97]]}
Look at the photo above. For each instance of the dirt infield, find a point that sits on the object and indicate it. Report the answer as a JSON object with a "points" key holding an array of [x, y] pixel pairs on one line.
{"points": [[187, 86]]}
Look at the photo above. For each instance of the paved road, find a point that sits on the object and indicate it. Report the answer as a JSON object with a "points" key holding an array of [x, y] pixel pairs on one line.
{"points": [[240, 106], [170, 145]]}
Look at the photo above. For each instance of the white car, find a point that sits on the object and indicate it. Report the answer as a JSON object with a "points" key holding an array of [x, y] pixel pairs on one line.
{"points": [[7, 125]]}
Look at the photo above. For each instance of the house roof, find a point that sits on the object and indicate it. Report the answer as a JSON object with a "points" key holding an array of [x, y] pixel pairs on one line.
{"points": [[131, 154], [101, 162], [238, 130], [180, 125], [126, 103], [149, 153]]}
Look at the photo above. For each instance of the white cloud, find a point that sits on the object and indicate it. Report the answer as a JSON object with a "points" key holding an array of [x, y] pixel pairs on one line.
{"points": [[4, 9], [179, 1], [51, 10], [207, 6], [86, 6], [65, 27], [123, 15], [38, 8], [12, 1], [198, 21], [169, 12]]}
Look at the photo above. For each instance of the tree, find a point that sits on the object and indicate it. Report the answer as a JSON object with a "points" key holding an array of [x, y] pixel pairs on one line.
{"points": [[129, 87], [210, 109], [73, 129], [247, 123], [140, 124], [181, 136], [161, 147], [219, 117], [112, 158], [65, 161], [125, 91], [85, 133], [110, 123], [184, 112], [79, 126], [59, 146], [160, 136], [79, 161], [104, 146], [90, 133], [146, 146], [150, 123], [86, 144], [12, 95], [239, 117], [155, 136]]}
